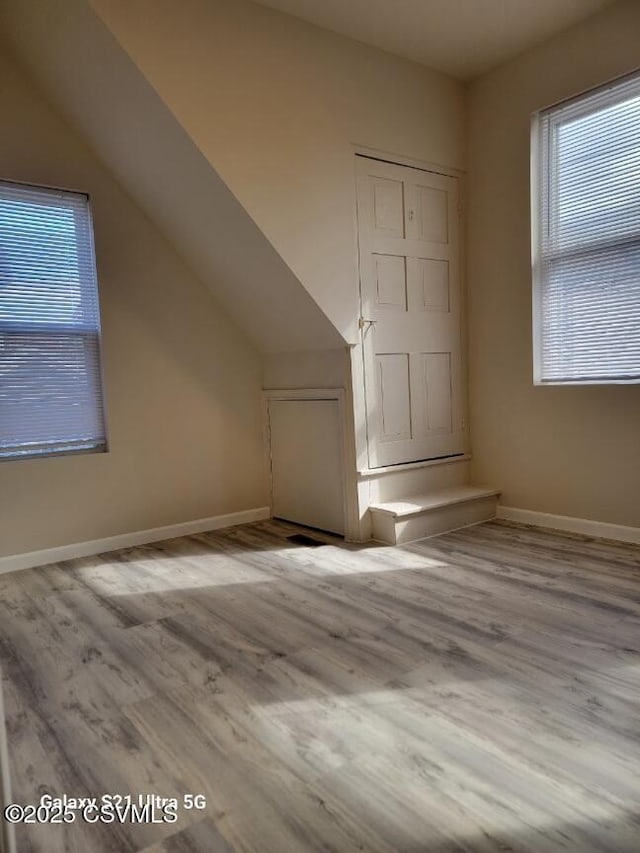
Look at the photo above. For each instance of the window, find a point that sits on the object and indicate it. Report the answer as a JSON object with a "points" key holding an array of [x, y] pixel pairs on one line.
{"points": [[50, 384], [586, 237]]}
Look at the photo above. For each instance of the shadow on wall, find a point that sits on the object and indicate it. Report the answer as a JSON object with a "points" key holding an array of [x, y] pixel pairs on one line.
{"points": [[94, 83], [160, 323]]}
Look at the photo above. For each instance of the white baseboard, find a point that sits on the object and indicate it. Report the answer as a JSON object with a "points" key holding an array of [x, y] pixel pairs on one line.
{"points": [[32, 559], [599, 529]]}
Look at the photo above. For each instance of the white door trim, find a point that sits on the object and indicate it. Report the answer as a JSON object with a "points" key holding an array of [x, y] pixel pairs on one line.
{"points": [[356, 349], [403, 160]]}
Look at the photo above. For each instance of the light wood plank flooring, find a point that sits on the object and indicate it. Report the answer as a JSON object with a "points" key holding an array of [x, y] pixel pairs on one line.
{"points": [[475, 692]]}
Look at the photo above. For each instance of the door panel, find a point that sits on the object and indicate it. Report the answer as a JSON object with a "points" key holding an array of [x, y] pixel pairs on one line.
{"points": [[394, 394], [391, 281], [431, 215], [432, 291], [388, 207], [436, 373], [410, 290]]}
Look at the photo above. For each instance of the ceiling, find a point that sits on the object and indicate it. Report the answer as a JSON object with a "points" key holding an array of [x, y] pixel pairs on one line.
{"points": [[463, 38]]}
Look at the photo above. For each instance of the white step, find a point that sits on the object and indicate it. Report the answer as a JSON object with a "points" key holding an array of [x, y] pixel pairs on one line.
{"points": [[418, 516]]}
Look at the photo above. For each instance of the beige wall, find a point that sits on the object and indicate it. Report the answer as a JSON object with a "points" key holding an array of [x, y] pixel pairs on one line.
{"points": [[92, 82], [275, 105], [572, 451], [315, 369], [182, 385]]}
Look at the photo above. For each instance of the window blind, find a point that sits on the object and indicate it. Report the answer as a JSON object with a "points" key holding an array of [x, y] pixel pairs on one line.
{"points": [[50, 381], [586, 246]]}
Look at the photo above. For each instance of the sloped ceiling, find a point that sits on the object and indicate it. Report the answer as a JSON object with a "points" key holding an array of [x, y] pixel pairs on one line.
{"points": [[81, 68], [463, 38]]}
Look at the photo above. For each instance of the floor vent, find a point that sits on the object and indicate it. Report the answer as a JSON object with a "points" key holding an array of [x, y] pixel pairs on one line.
{"points": [[303, 539]]}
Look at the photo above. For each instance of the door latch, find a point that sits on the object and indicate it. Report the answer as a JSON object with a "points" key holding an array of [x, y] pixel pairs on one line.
{"points": [[363, 323]]}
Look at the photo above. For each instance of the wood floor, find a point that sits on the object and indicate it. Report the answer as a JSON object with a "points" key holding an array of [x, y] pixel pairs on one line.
{"points": [[475, 692]]}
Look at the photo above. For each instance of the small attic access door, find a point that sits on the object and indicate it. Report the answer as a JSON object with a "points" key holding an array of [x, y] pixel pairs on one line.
{"points": [[306, 459], [409, 247]]}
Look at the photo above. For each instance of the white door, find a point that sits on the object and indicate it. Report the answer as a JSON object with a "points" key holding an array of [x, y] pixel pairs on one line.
{"points": [[408, 227], [306, 463]]}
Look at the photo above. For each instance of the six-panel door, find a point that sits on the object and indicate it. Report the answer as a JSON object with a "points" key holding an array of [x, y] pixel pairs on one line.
{"points": [[410, 292]]}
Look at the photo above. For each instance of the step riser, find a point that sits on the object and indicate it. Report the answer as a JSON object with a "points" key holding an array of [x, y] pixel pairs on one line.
{"points": [[394, 485], [399, 531]]}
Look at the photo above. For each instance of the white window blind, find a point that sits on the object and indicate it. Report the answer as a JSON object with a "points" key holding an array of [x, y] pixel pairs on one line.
{"points": [[50, 383], [586, 237]]}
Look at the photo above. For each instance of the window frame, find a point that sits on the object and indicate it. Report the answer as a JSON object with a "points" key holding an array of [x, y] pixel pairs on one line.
{"points": [[88, 334], [539, 222]]}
